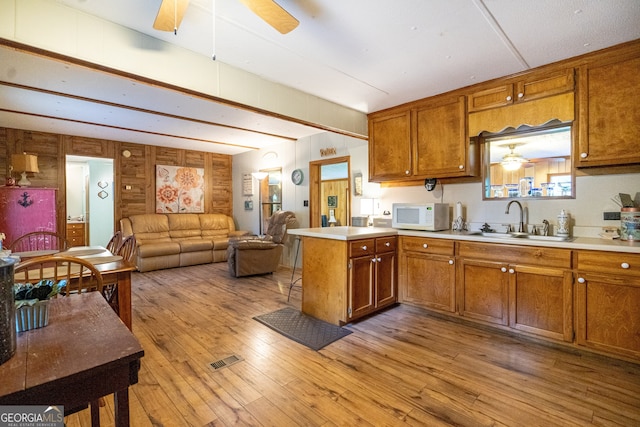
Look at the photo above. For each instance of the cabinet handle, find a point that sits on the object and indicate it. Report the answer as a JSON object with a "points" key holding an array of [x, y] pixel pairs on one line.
{"points": [[520, 95], [511, 270], [583, 155], [364, 248], [387, 244], [379, 259], [625, 265], [407, 172], [581, 280], [373, 259], [450, 262], [461, 167], [503, 269], [508, 98], [424, 245]]}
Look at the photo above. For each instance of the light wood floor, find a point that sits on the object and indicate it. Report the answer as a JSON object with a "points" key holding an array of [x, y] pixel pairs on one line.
{"points": [[400, 367]]}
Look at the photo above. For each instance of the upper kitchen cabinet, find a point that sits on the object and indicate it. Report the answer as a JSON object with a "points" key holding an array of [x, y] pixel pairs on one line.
{"points": [[528, 88], [390, 145], [421, 140], [609, 106]]}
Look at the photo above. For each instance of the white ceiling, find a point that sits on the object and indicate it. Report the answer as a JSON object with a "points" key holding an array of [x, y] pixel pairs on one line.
{"points": [[364, 54]]}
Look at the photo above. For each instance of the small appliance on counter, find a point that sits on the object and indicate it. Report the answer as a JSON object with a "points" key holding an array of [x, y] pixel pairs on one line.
{"points": [[427, 216]]}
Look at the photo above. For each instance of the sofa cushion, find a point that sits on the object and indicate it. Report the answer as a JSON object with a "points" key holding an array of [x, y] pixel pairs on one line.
{"points": [[184, 226], [195, 245], [158, 248], [216, 225], [220, 244], [150, 227]]}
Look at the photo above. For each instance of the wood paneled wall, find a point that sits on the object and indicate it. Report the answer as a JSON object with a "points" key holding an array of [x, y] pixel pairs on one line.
{"points": [[134, 177]]}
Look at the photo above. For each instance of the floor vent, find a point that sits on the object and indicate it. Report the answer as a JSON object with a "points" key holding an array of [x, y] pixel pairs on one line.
{"points": [[227, 361]]}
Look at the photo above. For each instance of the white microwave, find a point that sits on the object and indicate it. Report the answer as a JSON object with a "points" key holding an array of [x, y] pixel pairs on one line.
{"points": [[427, 216]]}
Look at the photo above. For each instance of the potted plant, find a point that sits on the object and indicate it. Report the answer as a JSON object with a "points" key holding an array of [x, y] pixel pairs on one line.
{"points": [[32, 303]]}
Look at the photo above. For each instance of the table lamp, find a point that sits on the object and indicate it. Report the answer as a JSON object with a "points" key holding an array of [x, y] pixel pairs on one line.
{"points": [[24, 163]]}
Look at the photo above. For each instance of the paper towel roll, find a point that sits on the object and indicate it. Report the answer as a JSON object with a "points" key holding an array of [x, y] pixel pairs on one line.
{"points": [[458, 210]]}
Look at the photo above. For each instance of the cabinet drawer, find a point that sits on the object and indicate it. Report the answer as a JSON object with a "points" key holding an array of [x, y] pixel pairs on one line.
{"points": [[427, 246], [362, 247], [386, 244], [538, 256], [608, 262], [73, 232]]}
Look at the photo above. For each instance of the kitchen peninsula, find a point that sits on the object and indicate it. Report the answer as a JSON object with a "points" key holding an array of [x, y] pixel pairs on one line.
{"points": [[581, 292]]}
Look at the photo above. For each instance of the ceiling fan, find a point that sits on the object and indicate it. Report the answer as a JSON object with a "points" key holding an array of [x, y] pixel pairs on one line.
{"points": [[171, 12]]}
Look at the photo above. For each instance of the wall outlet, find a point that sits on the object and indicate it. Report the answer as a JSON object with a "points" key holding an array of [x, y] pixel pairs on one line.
{"points": [[613, 216]]}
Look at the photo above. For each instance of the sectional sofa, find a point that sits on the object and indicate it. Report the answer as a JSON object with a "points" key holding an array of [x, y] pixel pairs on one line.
{"points": [[178, 240]]}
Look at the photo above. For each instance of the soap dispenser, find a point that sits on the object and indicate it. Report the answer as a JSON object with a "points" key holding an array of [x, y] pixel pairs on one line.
{"points": [[563, 223]]}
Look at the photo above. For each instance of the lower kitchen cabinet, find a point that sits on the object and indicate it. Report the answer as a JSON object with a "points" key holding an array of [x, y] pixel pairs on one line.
{"points": [[608, 302], [372, 275], [427, 273], [524, 288]]}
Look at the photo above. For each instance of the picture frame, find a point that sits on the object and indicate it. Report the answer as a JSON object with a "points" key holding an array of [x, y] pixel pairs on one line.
{"points": [[248, 205], [332, 201], [357, 184]]}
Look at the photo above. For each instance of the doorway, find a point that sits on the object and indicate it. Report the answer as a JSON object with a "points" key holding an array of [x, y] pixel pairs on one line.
{"points": [[90, 200], [329, 192]]}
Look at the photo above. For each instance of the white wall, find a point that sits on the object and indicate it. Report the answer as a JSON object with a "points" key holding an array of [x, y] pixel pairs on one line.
{"points": [[593, 193]]}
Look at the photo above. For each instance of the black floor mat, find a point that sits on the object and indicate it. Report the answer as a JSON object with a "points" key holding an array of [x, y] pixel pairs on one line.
{"points": [[302, 328]]}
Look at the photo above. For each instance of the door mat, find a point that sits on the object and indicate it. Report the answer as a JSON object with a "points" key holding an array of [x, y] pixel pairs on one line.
{"points": [[306, 330]]}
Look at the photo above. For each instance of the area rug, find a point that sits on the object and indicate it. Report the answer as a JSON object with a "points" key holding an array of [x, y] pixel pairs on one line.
{"points": [[306, 330]]}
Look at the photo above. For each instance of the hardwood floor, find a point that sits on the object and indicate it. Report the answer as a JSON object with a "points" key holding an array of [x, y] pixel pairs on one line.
{"points": [[400, 367]]}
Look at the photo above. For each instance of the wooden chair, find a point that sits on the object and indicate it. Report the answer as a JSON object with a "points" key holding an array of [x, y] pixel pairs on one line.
{"points": [[126, 250], [80, 274], [115, 242], [39, 241]]}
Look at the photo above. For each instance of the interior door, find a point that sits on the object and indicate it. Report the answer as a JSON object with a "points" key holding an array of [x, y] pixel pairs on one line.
{"points": [[329, 191]]}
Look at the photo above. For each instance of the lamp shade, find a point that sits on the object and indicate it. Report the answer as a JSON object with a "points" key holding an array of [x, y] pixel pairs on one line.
{"points": [[24, 162]]}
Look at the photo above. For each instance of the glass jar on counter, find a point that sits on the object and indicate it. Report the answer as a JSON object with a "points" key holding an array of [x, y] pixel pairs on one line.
{"points": [[512, 190], [536, 192]]}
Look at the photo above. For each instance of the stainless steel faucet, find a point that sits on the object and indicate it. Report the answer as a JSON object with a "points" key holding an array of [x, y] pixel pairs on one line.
{"points": [[521, 225]]}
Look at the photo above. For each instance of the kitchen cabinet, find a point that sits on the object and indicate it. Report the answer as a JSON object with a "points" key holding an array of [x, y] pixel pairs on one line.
{"points": [[524, 288], [76, 233], [528, 88], [26, 209], [372, 275], [424, 140], [343, 280], [607, 301], [426, 275], [609, 112]]}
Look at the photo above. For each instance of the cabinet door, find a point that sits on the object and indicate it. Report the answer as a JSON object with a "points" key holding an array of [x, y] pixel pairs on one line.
{"points": [[541, 301], [548, 84], [441, 145], [498, 96], [390, 146], [361, 289], [609, 114], [607, 315], [429, 281], [385, 279], [483, 292]]}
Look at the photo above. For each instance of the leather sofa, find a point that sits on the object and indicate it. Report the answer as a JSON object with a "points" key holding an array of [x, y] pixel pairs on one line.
{"points": [[178, 240]]}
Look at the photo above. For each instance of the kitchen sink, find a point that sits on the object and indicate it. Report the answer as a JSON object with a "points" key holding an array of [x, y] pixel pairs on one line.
{"points": [[495, 235]]}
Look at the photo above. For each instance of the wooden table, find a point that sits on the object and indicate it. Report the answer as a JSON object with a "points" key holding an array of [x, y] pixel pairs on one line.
{"points": [[84, 353], [112, 271]]}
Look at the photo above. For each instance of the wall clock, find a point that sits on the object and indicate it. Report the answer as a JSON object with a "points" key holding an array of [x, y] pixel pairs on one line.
{"points": [[297, 176]]}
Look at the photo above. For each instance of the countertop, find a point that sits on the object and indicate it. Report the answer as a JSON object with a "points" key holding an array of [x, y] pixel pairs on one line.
{"points": [[353, 233]]}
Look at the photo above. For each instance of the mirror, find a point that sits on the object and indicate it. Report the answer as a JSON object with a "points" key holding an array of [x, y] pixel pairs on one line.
{"points": [[528, 163], [270, 195]]}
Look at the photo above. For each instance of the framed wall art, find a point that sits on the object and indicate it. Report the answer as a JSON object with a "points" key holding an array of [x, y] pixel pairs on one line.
{"points": [[179, 189]]}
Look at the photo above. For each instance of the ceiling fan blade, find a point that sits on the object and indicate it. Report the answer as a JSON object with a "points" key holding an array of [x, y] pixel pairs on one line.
{"points": [[273, 14], [170, 14]]}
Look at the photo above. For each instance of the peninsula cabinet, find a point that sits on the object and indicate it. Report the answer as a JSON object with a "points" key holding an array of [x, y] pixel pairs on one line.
{"points": [[424, 140], [522, 287], [372, 275], [426, 275], [529, 88], [344, 280], [609, 112], [608, 302]]}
